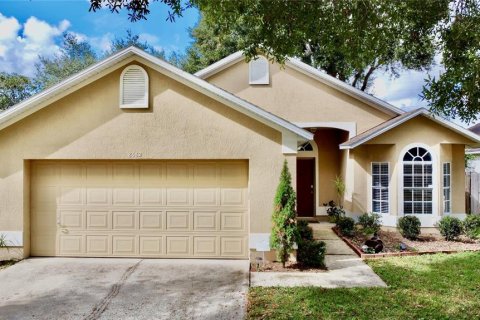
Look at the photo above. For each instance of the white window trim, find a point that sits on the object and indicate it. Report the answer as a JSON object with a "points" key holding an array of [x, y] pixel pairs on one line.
{"points": [[426, 219], [134, 106], [449, 188], [389, 202], [265, 80]]}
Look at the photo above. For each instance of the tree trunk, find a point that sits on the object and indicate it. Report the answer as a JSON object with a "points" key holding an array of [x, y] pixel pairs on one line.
{"points": [[367, 76]]}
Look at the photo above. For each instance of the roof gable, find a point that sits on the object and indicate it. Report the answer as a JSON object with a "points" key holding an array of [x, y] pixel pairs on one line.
{"points": [[395, 122], [128, 55], [310, 72]]}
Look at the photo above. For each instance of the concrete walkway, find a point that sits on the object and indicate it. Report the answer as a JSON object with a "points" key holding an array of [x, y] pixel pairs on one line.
{"points": [[345, 268]]}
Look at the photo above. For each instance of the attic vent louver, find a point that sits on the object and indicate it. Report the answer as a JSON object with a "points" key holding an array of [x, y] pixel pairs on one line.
{"points": [[134, 88], [259, 71]]}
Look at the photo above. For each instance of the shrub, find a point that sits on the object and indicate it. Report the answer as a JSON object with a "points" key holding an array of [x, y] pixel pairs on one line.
{"points": [[409, 227], [346, 226], [311, 253], [284, 231], [370, 222], [304, 231], [450, 228], [334, 211], [471, 225]]}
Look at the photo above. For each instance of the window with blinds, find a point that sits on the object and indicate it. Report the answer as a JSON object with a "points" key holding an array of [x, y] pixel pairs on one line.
{"points": [[380, 185], [134, 87], [417, 182], [447, 180]]}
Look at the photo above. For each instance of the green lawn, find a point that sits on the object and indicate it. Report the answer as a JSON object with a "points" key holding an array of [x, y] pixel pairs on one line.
{"points": [[421, 287]]}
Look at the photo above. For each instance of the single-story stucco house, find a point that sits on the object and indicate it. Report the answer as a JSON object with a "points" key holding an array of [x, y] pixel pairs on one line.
{"points": [[134, 157]]}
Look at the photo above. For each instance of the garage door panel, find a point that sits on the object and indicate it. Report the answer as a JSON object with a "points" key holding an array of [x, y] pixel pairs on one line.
{"points": [[152, 196], [179, 197], [71, 244], [233, 197], [205, 246], [178, 245], [72, 174], [177, 209], [151, 246], [124, 220], [72, 219], [178, 175], [124, 174], [125, 196], [99, 196], [98, 245], [71, 195], [205, 197], [98, 174], [152, 175], [205, 220], [178, 220], [151, 220], [232, 221], [98, 220], [233, 246], [124, 245]]}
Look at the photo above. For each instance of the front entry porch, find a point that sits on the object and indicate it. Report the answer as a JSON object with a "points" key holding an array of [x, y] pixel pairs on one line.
{"points": [[319, 162]]}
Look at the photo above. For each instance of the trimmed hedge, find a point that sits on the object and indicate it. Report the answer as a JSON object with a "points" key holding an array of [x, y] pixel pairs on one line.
{"points": [[471, 225], [450, 228], [346, 226], [310, 252], [409, 227]]}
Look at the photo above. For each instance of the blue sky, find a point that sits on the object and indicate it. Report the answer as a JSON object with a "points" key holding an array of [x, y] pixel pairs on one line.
{"points": [[32, 27], [29, 28]]}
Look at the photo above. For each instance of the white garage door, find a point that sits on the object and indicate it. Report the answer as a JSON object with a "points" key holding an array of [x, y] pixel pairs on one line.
{"points": [[183, 209]]}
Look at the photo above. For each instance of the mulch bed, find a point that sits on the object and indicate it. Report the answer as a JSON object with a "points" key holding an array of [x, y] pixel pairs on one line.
{"points": [[424, 245], [277, 267], [7, 263]]}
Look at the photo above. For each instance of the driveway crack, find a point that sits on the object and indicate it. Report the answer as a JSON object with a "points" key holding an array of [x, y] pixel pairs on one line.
{"points": [[103, 304]]}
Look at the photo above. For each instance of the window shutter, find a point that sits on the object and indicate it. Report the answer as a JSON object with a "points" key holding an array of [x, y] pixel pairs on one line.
{"points": [[259, 71], [134, 88]]}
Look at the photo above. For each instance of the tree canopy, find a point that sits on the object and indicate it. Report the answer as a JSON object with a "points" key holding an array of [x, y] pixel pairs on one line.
{"points": [[349, 39], [13, 89], [74, 56]]}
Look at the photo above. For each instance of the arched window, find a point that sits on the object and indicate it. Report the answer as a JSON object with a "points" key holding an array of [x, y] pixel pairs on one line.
{"points": [[259, 71], [306, 146], [417, 181], [134, 87]]}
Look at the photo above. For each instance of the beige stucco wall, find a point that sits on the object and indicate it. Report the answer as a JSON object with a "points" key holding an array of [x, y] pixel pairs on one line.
{"points": [[297, 97], [180, 124], [446, 146]]}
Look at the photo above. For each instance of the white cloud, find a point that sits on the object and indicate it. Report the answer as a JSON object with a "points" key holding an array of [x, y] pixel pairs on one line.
{"points": [[103, 43], [404, 91], [20, 45]]}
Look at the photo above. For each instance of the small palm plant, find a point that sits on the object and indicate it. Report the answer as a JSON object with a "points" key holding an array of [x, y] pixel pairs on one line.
{"points": [[3, 241], [284, 231], [340, 189]]}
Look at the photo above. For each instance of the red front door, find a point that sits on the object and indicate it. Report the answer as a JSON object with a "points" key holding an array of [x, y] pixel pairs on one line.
{"points": [[305, 187]]}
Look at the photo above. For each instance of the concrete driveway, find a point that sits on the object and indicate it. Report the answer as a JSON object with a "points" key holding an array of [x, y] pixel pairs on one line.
{"points": [[93, 288]]}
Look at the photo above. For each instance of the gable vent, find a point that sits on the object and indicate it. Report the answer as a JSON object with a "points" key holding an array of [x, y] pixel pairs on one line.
{"points": [[259, 71], [134, 87]]}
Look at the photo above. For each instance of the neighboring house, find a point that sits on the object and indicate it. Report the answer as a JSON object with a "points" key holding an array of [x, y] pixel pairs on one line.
{"points": [[473, 164], [134, 157]]}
